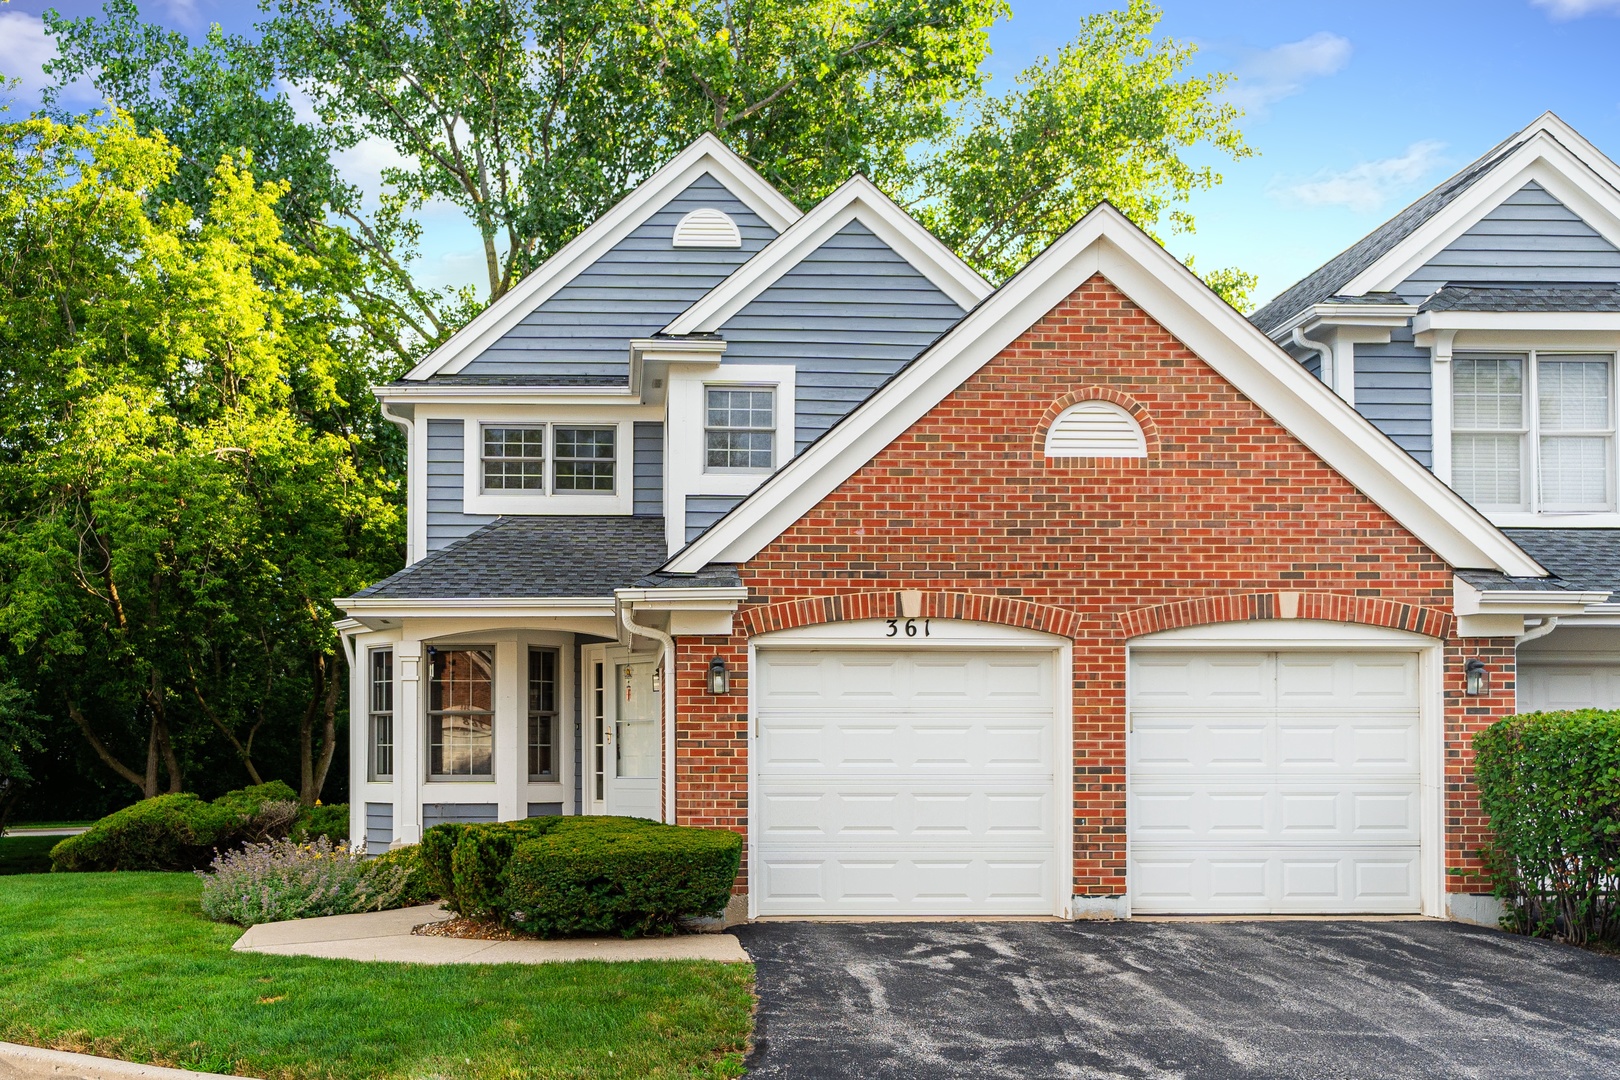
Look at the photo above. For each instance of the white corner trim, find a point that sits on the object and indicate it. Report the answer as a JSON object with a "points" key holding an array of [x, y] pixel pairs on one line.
{"points": [[706, 154], [1106, 242], [1578, 180], [857, 199]]}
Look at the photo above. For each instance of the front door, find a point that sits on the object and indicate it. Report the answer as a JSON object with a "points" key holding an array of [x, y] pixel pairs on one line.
{"points": [[628, 729]]}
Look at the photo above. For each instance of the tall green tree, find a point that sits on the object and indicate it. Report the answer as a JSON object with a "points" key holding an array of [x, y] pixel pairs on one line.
{"points": [[188, 466], [533, 117]]}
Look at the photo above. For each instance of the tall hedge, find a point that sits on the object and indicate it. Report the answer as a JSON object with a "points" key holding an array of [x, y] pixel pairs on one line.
{"points": [[1550, 783]]}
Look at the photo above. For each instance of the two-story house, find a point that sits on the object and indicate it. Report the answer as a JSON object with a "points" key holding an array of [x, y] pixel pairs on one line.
{"points": [[1080, 596]]}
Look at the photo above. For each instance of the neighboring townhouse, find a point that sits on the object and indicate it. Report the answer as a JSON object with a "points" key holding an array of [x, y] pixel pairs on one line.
{"points": [[1082, 596]]}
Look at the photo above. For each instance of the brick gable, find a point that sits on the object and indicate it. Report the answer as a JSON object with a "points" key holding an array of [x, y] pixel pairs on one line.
{"points": [[1229, 516]]}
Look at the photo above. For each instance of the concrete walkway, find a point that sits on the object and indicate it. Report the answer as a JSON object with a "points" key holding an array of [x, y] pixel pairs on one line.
{"points": [[35, 1063], [386, 936], [57, 830]]}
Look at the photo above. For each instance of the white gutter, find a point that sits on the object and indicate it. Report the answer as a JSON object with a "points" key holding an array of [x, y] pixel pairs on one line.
{"points": [[668, 660], [1541, 629], [1324, 350]]}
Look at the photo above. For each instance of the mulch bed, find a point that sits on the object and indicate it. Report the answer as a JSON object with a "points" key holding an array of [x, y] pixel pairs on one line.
{"points": [[470, 928]]}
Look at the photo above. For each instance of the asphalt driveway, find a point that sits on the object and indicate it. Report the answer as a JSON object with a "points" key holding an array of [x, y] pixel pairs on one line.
{"points": [[1312, 1000]]}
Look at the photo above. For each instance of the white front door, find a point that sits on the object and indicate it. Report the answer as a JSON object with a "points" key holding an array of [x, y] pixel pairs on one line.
{"points": [[629, 739], [906, 782], [1274, 782]]}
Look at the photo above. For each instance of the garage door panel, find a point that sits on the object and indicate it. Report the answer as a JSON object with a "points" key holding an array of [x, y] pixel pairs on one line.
{"points": [[1546, 687], [905, 781], [1295, 793]]}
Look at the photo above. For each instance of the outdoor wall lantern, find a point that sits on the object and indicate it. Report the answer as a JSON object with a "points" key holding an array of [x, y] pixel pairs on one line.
{"points": [[1475, 678], [719, 677]]}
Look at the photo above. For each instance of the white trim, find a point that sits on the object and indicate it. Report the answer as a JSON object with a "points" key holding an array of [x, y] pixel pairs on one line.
{"points": [[1536, 322], [1466, 599], [857, 199], [1106, 243], [475, 500], [1310, 634], [955, 634], [706, 154], [1072, 432], [1584, 180], [686, 388]]}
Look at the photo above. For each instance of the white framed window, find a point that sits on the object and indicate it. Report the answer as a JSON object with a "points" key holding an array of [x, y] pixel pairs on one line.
{"points": [[739, 428], [1534, 431], [461, 714], [380, 718], [514, 458], [543, 714], [549, 465]]}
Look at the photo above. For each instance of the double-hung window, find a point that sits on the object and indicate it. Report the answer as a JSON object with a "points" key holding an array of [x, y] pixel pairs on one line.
{"points": [[1534, 431], [380, 701], [461, 714], [542, 714], [582, 459], [739, 429]]}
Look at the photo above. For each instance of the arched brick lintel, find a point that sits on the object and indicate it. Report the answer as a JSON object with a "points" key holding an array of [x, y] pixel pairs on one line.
{"points": [[891, 604], [1326, 606]]}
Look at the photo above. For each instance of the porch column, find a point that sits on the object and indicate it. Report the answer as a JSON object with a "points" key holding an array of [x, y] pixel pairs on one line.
{"points": [[511, 730], [409, 740]]}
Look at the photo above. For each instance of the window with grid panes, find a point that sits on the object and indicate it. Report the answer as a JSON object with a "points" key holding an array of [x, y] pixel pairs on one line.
{"points": [[739, 428], [1555, 455], [515, 458], [381, 701], [542, 714], [461, 713], [583, 458]]}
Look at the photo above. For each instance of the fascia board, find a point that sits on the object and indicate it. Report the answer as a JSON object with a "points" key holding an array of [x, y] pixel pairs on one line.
{"points": [[1543, 159], [480, 608], [857, 199], [432, 394], [1516, 320], [706, 155], [1468, 599], [1108, 243]]}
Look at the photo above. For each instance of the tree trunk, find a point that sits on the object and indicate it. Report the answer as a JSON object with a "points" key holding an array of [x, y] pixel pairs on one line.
{"points": [[142, 784], [323, 701]]}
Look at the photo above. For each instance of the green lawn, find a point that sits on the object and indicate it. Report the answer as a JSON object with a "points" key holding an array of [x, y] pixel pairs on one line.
{"points": [[125, 965], [26, 854]]}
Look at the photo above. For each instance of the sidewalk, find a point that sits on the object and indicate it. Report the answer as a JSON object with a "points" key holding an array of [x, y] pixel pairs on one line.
{"points": [[35, 1063], [386, 936]]}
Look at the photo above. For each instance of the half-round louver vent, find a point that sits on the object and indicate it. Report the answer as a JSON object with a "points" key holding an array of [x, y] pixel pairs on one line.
{"points": [[1095, 429], [707, 228]]}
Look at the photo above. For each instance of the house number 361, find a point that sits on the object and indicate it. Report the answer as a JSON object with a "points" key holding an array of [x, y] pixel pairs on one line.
{"points": [[909, 627]]}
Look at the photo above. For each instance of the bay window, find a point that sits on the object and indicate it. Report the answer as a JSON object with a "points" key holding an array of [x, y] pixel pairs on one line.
{"points": [[380, 701], [542, 714], [461, 714], [1533, 431]]}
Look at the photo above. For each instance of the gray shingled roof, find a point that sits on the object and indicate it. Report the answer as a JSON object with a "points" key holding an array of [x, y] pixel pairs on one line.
{"points": [[1557, 298], [1340, 270], [534, 557], [1496, 581], [1582, 558], [516, 380]]}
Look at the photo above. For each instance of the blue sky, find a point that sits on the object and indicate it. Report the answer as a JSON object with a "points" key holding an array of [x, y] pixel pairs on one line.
{"points": [[1355, 108]]}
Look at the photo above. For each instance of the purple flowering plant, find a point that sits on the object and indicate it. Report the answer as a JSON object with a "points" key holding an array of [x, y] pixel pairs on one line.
{"points": [[280, 880]]}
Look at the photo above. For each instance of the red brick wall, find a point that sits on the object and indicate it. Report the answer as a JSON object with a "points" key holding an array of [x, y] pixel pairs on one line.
{"points": [[1229, 517]]}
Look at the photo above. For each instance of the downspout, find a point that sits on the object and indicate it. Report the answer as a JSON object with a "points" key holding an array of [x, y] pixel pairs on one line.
{"points": [[406, 424], [1328, 375], [668, 660], [1542, 629]]}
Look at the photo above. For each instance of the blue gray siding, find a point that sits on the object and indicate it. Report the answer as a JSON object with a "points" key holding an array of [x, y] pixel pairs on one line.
{"points": [[649, 469], [1392, 390], [704, 510], [545, 809], [632, 291], [1530, 237], [445, 479], [379, 827], [461, 813], [848, 316]]}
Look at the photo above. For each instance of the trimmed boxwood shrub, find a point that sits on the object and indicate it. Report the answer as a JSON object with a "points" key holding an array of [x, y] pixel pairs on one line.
{"points": [[1550, 783], [179, 832], [417, 890], [463, 862], [618, 875]]}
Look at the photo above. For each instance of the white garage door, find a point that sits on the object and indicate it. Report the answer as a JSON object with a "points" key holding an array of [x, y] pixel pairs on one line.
{"points": [[1549, 687], [913, 782], [1274, 782]]}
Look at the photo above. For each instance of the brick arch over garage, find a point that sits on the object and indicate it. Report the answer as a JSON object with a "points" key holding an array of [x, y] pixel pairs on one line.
{"points": [[912, 604], [1325, 606]]}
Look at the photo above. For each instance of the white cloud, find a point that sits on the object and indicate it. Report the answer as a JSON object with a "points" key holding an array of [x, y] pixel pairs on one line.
{"points": [[25, 49], [1367, 186], [1574, 9], [1269, 75]]}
